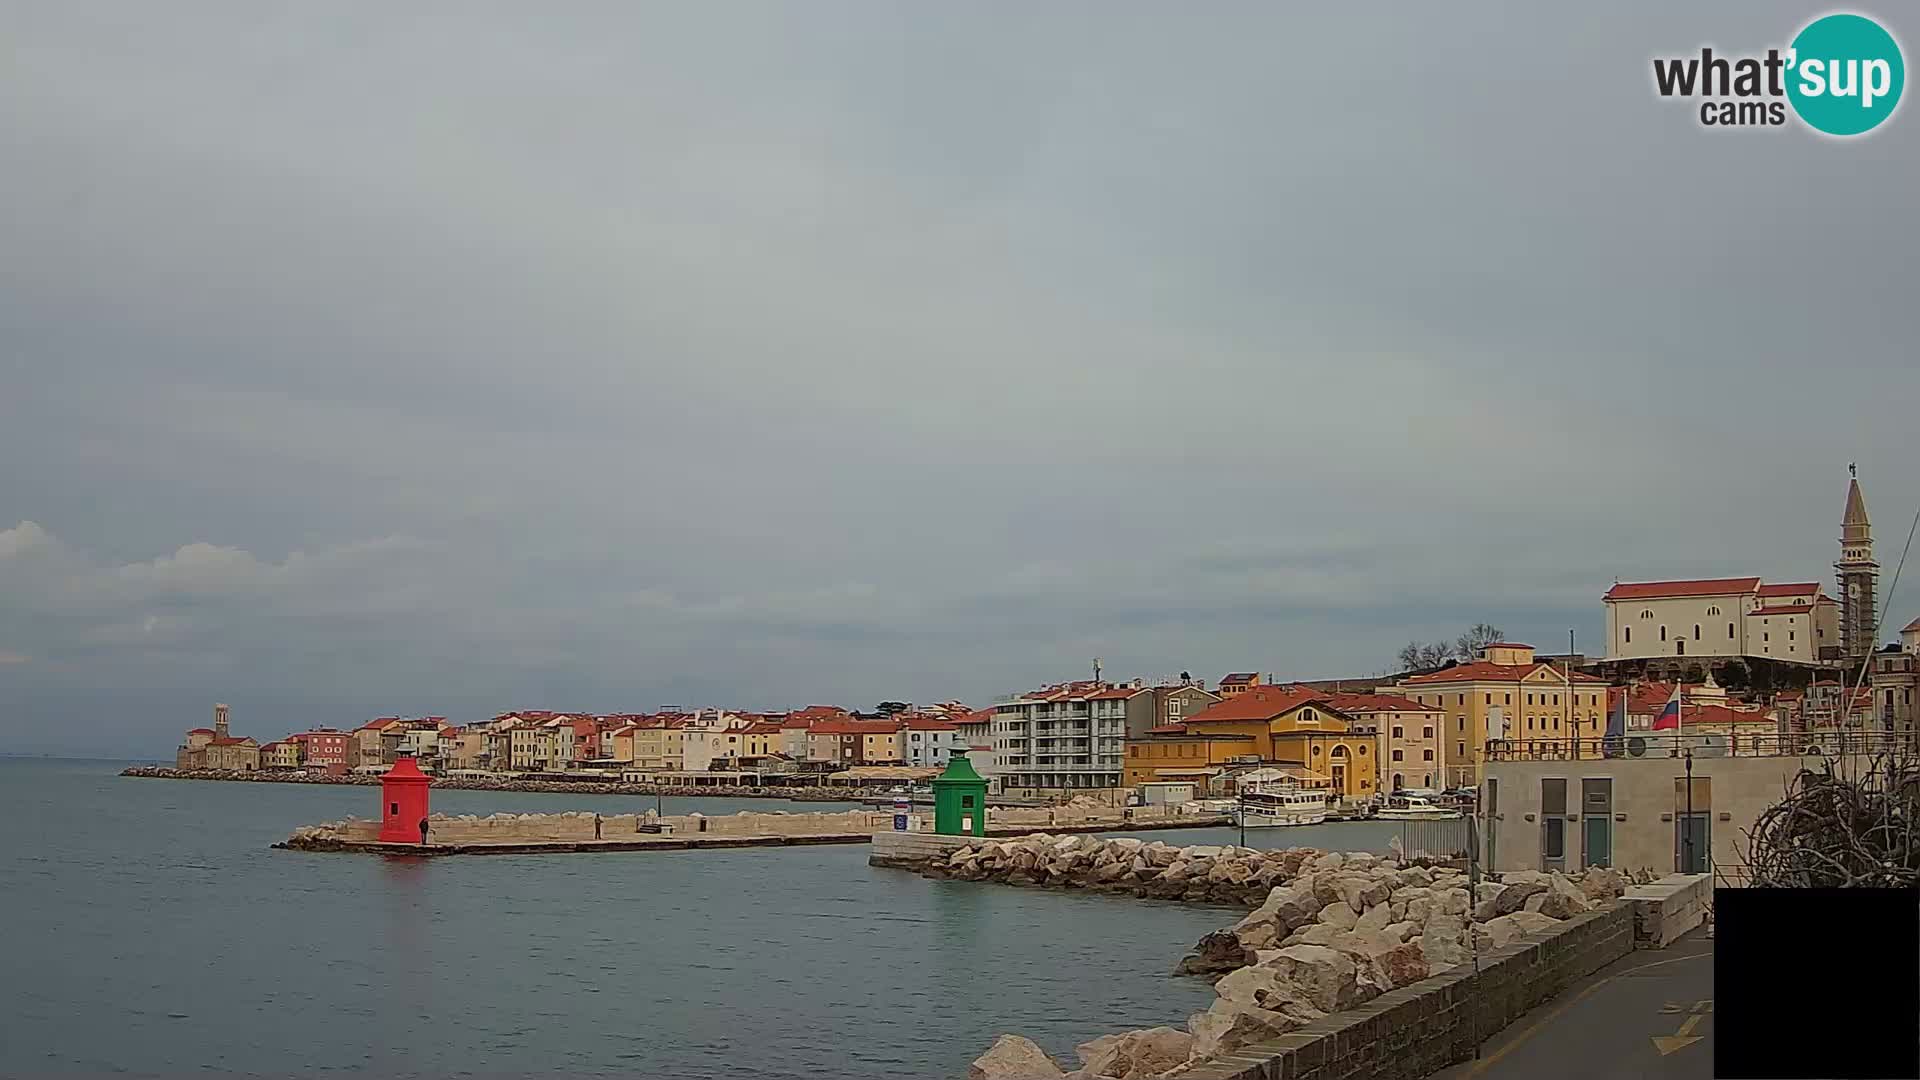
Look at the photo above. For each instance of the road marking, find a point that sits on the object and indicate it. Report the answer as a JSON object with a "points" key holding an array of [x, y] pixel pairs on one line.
{"points": [[1487, 1062], [1679, 1040]]}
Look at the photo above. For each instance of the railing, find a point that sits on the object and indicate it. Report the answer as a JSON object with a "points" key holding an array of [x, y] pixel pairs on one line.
{"points": [[1665, 744], [1444, 838]]}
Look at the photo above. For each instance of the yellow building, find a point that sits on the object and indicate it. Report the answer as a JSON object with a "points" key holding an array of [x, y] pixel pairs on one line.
{"points": [[661, 748], [880, 747], [280, 755], [1506, 695], [1409, 748], [1263, 725], [761, 739]]}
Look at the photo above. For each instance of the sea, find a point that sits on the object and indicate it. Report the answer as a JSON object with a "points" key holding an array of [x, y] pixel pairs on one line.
{"points": [[151, 930]]}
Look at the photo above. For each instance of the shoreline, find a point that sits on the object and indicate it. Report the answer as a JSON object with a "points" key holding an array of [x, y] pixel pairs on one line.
{"points": [[537, 787]]}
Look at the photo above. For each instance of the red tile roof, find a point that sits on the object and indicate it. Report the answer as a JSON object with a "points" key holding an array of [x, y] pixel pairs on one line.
{"points": [[1238, 677], [200, 731], [1911, 628], [1490, 672], [1656, 590], [854, 727], [1508, 645], [1720, 714], [1259, 703], [1377, 703], [764, 727], [1796, 588], [1116, 693], [927, 723], [244, 740]]}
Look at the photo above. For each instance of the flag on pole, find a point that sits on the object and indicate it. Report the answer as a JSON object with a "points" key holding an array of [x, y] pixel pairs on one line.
{"points": [[1616, 736], [1669, 718]]}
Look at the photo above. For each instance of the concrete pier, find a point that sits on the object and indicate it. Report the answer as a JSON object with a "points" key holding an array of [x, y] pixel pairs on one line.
{"points": [[573, 833]]}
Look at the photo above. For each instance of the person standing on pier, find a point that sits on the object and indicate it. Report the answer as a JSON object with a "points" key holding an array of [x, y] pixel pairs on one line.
{"points": [[596, 826], [423, 832]]}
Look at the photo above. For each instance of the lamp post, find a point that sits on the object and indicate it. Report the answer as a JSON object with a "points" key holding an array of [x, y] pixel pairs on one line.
{"points": [[1686, 829]]}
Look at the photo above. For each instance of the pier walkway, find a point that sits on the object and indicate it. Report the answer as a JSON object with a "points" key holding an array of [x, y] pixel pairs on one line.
{"points": [[1647, 1015]]}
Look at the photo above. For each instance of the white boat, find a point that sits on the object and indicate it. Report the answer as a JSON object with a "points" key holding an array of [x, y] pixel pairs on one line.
{"points": [[1407, 806], [1265, 809]]}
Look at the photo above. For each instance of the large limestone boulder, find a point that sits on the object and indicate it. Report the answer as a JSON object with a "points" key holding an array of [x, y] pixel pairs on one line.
{"points": [[1362, 892], [1332, 860], [1374, 919], [1227, 1027], [1401, 931], [1451, 901], [1514, 896], [1138, 1053], [1218, 952], [1340, 914], [1564, 899], [1013, 1057], [1325, 977], [1535, 902], [1269, 989], [1403, 964], [1441, 952], [1412, 876], [1527, 922], [1601, 883]]}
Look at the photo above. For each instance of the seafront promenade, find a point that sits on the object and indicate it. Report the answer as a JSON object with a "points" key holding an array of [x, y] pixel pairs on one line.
{"points": [[796, 792]]}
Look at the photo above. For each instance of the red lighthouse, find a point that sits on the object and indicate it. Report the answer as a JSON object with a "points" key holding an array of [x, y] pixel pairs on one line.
{"points": [[403, 802]]}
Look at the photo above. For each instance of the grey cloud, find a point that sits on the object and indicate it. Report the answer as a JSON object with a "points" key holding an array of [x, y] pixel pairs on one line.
{"points": [[452, 359]]}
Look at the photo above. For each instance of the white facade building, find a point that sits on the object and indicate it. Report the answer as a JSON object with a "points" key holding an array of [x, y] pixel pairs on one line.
{"points": [[1720, 618]]}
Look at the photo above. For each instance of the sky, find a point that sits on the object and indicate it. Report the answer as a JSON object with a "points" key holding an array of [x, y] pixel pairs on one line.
{"points": [[363, 359]]}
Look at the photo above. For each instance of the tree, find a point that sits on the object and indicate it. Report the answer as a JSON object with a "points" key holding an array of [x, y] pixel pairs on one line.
{"points": [[892, 708], [1477, 637], [1415, 655]]}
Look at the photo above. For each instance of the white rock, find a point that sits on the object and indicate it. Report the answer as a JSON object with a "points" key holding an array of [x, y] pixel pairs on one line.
{"points": [[1013, 1057]]}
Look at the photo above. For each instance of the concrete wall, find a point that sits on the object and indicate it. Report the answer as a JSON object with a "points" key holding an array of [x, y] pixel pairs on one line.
{"points": [[1420, 1029], [1646, 799], [1668, 908]]}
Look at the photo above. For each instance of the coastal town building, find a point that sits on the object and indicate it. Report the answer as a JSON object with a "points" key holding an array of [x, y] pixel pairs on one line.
{"points": [[1284, 727], [1409, 748], [1238, 682], [1062, 739], [1858, 576], [1720, 618], [322, 748], [1896, 683], [217, 748], [1505, 694], [929, 743], [1544, 811]]}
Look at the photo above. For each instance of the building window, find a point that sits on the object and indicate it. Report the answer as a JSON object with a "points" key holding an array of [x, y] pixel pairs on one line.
{"points": [[1663, 633], [1396, 755], [1397, 731], [1713, 611], [1426, 732], [1629, 633], [1696, 631], [1508, 699], [1363, 749], [1646, 613], [1426, 755], [1460, 749], [1460, 723]]}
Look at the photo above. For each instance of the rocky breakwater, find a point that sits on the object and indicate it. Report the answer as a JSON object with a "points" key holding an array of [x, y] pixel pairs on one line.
{"points": [[1148, 869], [1333, 931]]}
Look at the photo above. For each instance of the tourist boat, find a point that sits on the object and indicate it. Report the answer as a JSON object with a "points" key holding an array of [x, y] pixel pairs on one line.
{"points": [[1408, 806], [1270, 807]]}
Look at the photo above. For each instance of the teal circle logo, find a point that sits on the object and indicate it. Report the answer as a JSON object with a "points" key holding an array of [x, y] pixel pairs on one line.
{"points": [[1845, 74]]}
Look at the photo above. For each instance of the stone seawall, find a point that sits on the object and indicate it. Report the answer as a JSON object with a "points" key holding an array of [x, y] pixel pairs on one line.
{"points": [[1332, 932], [1426, 1026]]}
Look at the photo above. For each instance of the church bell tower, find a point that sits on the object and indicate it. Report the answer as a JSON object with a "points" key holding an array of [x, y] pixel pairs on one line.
{"points": [[1858, 574]]}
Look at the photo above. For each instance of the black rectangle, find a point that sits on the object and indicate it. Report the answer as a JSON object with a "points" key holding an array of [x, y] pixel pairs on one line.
{"points": [[1816, 983]]}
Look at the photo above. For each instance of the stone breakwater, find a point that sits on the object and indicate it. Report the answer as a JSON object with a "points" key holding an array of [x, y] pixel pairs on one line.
{"points": [[545, 787], [1330, 931]]}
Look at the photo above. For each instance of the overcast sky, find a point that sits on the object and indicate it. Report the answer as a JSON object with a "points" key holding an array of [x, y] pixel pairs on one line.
{"points": [[373, 358]]}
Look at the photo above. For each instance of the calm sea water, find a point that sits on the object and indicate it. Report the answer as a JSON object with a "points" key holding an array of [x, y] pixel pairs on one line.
{"points": [[151, 931]]}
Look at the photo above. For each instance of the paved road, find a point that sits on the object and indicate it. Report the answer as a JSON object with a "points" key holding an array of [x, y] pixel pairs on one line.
{"points": [[1647, 1015]]}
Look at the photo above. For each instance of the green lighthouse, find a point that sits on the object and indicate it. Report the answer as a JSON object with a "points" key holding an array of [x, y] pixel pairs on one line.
{"points": [[960, 799]]}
